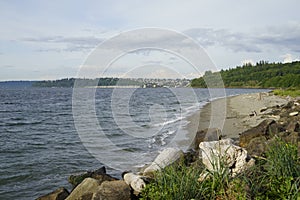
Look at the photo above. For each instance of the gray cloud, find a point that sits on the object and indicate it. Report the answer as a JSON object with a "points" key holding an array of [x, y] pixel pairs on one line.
{"points": [[71, 43], [284, 37], [8, 66], [234, 41], [287, 37]]}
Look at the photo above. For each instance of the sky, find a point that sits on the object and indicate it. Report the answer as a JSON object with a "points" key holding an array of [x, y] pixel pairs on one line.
{"points": [[49, 40]]}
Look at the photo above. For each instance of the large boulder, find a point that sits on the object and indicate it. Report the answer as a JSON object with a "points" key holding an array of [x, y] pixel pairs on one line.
{"points": [[164, 159], [59, 194], [99, 174], [113, 190], [85, 190], [266, 128], [218, 156]]}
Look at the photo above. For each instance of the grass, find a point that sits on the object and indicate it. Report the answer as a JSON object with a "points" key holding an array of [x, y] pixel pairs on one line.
{"points": [[174, 182], [275, 177], [293, 92]]}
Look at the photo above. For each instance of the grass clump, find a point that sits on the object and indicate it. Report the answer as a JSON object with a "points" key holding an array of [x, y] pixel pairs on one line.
{"points": [[174, 182], [277, 176]]}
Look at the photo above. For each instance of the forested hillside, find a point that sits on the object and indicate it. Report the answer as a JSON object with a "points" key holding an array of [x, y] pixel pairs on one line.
{"points": [[261, 75]]}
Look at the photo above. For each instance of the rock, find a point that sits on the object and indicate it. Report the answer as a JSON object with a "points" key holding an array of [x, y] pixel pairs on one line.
{"points": [[208, 134], [113, 190], [191, 156], [165, 158], [218, 155], [260, 130], [293, 113], [59, 194], [293, 137], [257, 146], [293, 126], [136, 182], [99, 174], [289, 105], [263, 109], [85, 190]]}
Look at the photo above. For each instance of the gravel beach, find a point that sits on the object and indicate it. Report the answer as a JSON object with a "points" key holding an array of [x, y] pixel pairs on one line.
{"points": [[233, 115]]}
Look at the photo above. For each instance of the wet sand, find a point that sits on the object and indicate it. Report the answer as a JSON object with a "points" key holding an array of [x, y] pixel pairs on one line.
{"points": [[233, 115]]}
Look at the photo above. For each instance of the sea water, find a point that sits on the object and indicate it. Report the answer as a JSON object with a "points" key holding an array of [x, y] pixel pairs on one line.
{"points": [[41, 146]]}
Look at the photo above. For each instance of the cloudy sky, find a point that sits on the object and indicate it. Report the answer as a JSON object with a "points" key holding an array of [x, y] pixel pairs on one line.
{"points": [[55, 39]]}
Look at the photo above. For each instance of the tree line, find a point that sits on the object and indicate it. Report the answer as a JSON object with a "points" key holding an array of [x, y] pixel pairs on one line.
{"points": [[82, 82], [261, 75]]}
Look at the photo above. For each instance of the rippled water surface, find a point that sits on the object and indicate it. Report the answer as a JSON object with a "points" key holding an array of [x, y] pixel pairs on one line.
{"points": [[40, 146]]}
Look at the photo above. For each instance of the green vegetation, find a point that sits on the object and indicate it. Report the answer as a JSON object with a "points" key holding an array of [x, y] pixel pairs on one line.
{"points": [[69, 82], [261, 75], [292, 92], [174, 182], [277, 176]]}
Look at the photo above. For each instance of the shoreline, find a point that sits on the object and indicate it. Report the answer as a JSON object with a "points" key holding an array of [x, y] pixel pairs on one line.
{"points": [[241, 113]]}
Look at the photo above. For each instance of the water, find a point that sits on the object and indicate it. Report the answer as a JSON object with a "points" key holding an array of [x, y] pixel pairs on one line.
{"points": [[40, 146]]}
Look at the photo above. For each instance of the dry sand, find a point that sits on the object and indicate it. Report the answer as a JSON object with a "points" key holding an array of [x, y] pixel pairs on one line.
{"points": [[233, 115]]}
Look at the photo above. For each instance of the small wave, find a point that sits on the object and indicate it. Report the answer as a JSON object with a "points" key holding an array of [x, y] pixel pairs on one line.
{"points": [[22, 123], [160, 139], [168, 122]]}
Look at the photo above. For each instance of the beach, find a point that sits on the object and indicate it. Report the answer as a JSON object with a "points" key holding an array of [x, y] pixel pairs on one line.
{"points": [[234, 115]]}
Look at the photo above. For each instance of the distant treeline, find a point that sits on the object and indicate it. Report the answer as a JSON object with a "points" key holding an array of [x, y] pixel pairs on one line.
{"points": [[69, 82], [16, 84], [261, 75]]}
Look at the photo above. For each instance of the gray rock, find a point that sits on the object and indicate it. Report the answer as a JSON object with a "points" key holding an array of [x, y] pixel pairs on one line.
{"points": [[113, 190], [293, 137], [85, 190], [59, 194], [257, 146], [99, 174], [289, 105], [293, 126], [260, 130]]}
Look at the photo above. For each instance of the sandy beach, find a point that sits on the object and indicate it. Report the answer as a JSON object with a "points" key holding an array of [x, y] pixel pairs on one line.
{"points": [[234, 115]]}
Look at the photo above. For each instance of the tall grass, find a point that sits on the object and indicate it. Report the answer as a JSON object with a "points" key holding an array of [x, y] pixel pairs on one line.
{"points": [[174, 182], [275, 177], [278, 176]]}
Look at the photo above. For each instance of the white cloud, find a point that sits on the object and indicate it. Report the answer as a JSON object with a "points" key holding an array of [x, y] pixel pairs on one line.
{"points": [[248, 61], [288, 58], [45, 34]]}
